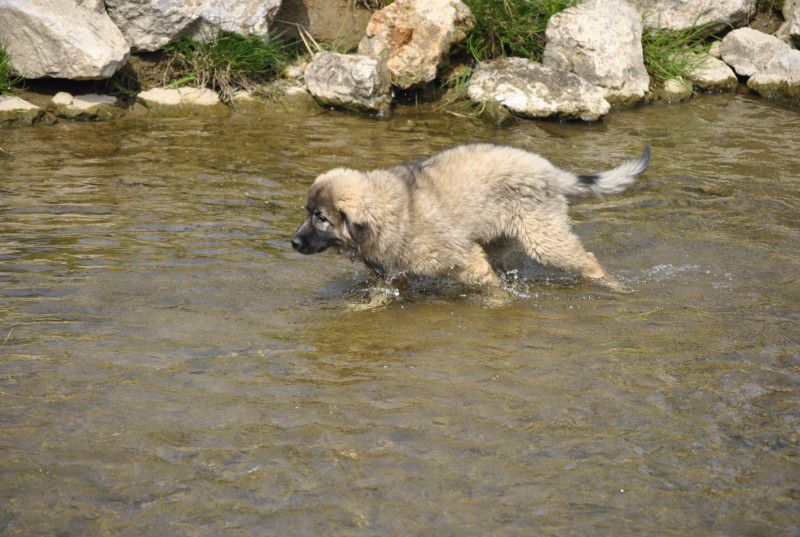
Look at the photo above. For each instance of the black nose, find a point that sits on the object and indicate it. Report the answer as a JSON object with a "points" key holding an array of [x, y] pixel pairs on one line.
{"points": [[296, 243]]}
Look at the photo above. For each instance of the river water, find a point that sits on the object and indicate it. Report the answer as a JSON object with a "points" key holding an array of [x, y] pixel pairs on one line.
{"points": [[169, 366]]}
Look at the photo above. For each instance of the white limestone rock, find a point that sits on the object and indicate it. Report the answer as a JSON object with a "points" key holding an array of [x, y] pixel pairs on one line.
{"points": [[150, 24], [710, 74], [531, 90], [780, 77], [183, 97], [600, 41], [61, 39], [682, 14], [354, 82], [90, 106], [748, 50], [14, 110]]}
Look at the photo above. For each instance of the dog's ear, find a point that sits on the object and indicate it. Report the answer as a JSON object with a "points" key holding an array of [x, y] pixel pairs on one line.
{"points": [[357, 232]]}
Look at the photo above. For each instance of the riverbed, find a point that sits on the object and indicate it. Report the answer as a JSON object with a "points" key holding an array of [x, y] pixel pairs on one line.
{"points": [[169, 366]]}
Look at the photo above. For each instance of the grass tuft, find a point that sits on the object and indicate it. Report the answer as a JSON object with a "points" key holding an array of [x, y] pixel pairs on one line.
{"points": [[511, 27], [10, 82], [227, 62], [455, 100], [673, 54]]}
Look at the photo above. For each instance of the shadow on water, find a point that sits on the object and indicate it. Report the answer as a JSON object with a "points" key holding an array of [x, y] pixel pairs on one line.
{"points": [[169, 366]]}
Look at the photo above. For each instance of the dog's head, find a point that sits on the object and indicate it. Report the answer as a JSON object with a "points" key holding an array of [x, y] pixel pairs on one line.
{"points": [[337, 215]]}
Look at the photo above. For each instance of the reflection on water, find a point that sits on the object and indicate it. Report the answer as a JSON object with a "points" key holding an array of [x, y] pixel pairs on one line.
{"points": [[168, 366]]}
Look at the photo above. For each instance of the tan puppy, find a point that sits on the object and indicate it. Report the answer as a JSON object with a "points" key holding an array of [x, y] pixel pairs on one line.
{"points": [[436, 218]]}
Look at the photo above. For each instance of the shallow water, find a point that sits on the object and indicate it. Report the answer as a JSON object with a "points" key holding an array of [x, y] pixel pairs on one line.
{"points": [[168, 366]]}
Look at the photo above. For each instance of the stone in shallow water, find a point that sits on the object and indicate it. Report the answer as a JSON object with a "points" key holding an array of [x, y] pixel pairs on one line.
{"points": [[57, 38], [415, 37], [90, 106], [780, 77], [161, 97], [354, 82], [711, 74], [14, 110], [676, 90], [532, 90], [748, 50], [600, 41]]}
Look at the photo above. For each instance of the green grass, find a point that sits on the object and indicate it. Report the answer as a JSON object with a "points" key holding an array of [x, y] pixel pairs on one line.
{"points": [[454, 101], [511, 27], [673, 54], [9, 81], [226, 62]]}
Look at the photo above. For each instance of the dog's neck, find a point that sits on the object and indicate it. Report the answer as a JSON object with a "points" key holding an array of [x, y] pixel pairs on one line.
{"points": [[389, 233]]}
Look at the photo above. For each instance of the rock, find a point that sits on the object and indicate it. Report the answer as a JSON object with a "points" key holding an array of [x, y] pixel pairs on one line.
{"points": [[415, 37], [682, 14], [198, 97], [600, 41], [58, 38], [354, 82], [790, 29], [710, 74], [531, 90], [160, 97], [715, 50], [240, 16], [85, 107], [14, 110], [149, 25], [780, 77], [676, 90], [748, 50], [339, 22]]}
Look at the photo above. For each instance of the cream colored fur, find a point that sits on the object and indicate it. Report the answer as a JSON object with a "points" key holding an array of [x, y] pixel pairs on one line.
{"points": [[437, 217]]}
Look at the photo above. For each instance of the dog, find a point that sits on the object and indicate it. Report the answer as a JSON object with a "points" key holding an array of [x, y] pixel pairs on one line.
{"points": [[448, 215]]}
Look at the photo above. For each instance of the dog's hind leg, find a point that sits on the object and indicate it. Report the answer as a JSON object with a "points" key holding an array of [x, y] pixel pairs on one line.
{"points": [[553, 244]]}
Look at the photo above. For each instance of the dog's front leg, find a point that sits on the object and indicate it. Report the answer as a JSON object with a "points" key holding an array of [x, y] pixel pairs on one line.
{"points": [[477, 271]]}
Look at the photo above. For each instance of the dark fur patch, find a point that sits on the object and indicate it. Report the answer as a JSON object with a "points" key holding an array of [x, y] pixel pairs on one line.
{"points": [[358, 232], [408, 172], [588, 179]]}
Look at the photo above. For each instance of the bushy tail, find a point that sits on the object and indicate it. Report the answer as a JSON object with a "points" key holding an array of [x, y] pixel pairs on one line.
{"points": [[609, 182]]}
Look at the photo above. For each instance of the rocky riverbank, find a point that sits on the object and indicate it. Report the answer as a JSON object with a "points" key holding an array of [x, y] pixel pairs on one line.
{"points": [[595, 56]]}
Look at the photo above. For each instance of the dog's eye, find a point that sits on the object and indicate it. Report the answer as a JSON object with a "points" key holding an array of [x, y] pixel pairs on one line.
{"points": [[319, 217]]}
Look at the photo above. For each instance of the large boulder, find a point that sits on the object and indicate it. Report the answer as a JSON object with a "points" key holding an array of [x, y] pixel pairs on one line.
{"points": [[748, 50], [531, 90], [354, 82], [681, 14], [415, 37], [14, 110], [601, 41], [780, 77], [61, 39], [151, 24]]}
